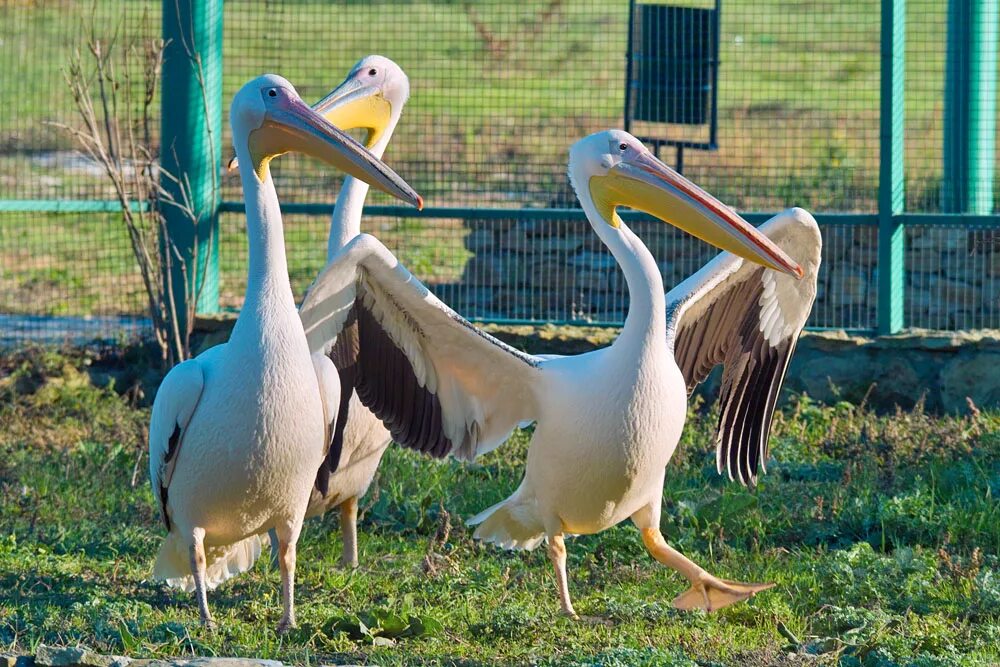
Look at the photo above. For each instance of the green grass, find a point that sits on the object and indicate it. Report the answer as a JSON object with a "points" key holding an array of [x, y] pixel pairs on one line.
{"points": [[881, 532]]}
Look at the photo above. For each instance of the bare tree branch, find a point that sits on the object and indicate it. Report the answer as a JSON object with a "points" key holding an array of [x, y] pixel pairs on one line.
{"points": [[116, 131]]}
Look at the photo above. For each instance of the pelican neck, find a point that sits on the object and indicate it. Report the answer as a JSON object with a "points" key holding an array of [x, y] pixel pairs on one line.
{"points": [[345, 223], [268, 287], [645, 325]]}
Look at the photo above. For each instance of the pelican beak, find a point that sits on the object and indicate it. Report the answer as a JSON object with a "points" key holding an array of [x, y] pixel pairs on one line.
{"points": [[290, 125], [351, 105], [357, 105], [647, 184]]}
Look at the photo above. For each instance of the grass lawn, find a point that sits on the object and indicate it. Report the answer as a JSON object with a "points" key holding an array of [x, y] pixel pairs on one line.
{"points": [[881, 532]]}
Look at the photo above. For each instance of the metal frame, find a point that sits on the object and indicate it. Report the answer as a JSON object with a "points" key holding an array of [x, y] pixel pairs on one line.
{"points": [[191, 145], [991, 221], [891, 193], [713, 123], [970, 106]]}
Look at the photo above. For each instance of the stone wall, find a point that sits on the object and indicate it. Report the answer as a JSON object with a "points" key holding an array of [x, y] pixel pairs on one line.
{"points": [[953, 277], [947, 370], [559, 270]]}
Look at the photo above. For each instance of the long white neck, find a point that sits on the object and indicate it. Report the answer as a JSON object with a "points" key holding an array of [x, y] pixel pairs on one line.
{"points": [[346, 221], [268, 287], [646, 323]]}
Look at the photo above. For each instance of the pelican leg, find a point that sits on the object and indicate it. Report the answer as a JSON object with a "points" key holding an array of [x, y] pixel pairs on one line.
{"points": [[198, 566], [349, 532], [286, 563], [557, 554], [706, 592]]}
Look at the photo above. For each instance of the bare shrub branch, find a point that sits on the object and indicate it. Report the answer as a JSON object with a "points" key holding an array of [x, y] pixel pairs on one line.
{"points": [[116, 115]]}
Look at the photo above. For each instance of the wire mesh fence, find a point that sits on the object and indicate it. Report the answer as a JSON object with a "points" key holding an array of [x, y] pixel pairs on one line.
{"points": [[499, 91], [953, 277]]}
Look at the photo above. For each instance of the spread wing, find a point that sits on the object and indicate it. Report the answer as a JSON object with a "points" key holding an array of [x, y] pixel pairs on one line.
{"points": [[748, 318], [175, 402], [439, 384]]}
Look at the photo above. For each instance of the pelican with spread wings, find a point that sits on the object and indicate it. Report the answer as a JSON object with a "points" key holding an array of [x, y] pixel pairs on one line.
{"points": [[607, 422]]}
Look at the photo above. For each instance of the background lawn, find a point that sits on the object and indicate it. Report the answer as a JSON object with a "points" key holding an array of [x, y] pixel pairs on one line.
{"points": [[500, 90], [882, 533]]}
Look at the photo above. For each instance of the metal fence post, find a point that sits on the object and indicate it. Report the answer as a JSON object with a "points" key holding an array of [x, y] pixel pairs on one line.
{"points": [[891, 200], [191, 144], [970, 106]]}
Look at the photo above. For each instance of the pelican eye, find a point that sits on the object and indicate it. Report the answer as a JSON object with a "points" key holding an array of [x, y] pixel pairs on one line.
{"points": [[372, 72], [272, 93], [623, 146]]}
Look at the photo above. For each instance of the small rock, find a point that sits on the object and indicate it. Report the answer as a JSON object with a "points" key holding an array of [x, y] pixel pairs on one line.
{"points": [[52, 656], [994, 263], [228, 662], [490, 224], [924, 260], [971, 375], [850, 287], [940, 238], [591, 280], [480, 240], [593, 260]]}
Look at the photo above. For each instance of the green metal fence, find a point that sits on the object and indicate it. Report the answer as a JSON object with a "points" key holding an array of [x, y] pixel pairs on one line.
{"points": [[877, 115]]}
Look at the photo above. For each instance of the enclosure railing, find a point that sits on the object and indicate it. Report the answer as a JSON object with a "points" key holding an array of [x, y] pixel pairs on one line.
{"points": [[505, 242]]}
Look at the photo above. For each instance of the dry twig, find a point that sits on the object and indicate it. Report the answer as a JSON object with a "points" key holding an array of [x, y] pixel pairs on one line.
{"points": [[116, 117]]}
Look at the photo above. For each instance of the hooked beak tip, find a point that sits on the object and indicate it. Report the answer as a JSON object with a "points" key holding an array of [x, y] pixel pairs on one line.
{"points": [[420, 203], [233, 164], [799, 273]]}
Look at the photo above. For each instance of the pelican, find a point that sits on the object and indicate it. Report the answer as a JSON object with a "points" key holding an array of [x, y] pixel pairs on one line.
{"points": [[238, 432], [372, 97], [607, 422]]}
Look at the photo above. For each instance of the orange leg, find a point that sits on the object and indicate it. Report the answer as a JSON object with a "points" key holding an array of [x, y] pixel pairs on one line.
{"points": [[557, 554], [706, 592], [349, 532]]}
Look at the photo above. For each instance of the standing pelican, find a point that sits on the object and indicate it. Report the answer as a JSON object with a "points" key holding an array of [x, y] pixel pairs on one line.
{"points": [[607, 421], [237, 433], [372, 97]]}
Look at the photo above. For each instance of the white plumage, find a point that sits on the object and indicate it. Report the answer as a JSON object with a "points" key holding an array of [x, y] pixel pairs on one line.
{"points": [[360, 439]]}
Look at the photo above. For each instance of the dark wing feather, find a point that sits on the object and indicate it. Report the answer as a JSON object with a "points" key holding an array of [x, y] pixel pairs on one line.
{"points": [[388, 386], [747, 318], [439, 384], [344, 355]]}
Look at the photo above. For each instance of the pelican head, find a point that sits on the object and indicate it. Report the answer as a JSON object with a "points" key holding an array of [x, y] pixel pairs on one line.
{"points": [[370, 98], [615, 169], [272, 119]]}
